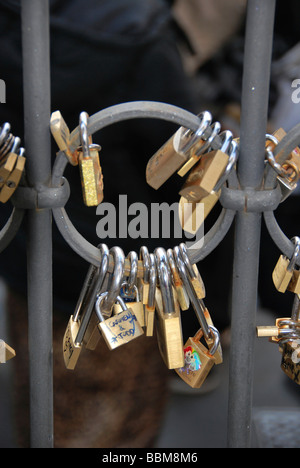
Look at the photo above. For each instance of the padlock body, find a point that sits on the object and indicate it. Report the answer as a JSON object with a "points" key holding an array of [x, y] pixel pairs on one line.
{"points": [[6, 352], [136, 307], [197, 363], [149, 320], [120, 329], [204, 176], [165, 161], [169, 334], [281, 275], [290, 363], [71, 350], [294, 284], [92, 335], [91, 178]]}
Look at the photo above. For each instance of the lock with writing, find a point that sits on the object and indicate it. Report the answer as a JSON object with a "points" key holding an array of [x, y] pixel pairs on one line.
{"points": [[118, 329]]}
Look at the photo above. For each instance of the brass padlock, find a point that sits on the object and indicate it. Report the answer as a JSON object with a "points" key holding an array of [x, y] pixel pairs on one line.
{"points": [[168, 320], [6, 352], [13, 180], [150, 305], [204, 177], [193, 273], [175, 152], [144, 281], [132, 299], [182, 294], [193, 213], [198, 359], [89, 166], [284, 268], [290, 362], [118, 329], [77, 333]]}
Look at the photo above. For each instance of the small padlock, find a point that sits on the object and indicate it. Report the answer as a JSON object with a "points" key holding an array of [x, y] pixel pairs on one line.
{"points": [[175, 152], [150, 305], [77, 333], [290, 362], [118, 329], [284, 268], [193, 272], [132, 299], [89, 166], [182, 295], [6, 352], [168, 320], [144, 281], [204, 177], [192, 214], [198, 359]]}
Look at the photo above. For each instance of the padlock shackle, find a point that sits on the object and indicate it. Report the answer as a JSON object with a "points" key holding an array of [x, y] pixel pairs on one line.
{"points": [[164, 278], [117, 278], [205, 121], [152, 281]]}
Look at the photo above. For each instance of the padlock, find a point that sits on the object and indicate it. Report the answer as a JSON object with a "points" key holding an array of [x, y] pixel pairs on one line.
{"points": [[200, 148], [118, 329], [204, 177], [144, 281], [193, 272], [6, 352], [182, 295], [294, 284], [175, 152], [168, 319], [13, 179], [192, 214], [132, 299], [150, 305], [283, 271], [61, 135], [89, 166], [198, 359], [290, 362], [77, 333]]}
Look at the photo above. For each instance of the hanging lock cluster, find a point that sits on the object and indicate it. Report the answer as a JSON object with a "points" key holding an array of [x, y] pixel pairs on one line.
{"points": [[86, 156], [12, 162], [206, 156], [286, 331], [139, 295]]}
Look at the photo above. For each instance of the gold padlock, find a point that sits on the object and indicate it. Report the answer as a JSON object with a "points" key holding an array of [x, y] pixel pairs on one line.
{"points": [[168, 319], [182, 295], [71, 350], [150, 305], [118, 329], [198, 359], [6, 352], [12, 181], [290, 362], [175, 152], [89, 166], [132, 299], [284, 268], [204, 177]]}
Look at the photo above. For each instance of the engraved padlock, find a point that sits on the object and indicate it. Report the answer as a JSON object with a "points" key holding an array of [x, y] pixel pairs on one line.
{"points": [[198, 359], [284, 268], [89, 166], [118, 329]]}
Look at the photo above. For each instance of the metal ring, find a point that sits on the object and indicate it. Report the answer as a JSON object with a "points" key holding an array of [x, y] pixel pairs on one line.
{"points": [[117, 277]]}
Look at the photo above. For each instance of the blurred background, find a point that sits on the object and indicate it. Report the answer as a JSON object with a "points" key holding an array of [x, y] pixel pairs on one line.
{"points": [[187, 53]]}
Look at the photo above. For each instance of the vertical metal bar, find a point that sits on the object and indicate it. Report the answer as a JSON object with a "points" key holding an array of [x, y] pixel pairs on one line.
{"points": [[36, 86], [255, 100]]}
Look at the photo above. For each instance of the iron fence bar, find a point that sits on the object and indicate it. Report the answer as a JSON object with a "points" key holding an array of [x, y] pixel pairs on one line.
{"points": [[255, 101], [36, 87]]}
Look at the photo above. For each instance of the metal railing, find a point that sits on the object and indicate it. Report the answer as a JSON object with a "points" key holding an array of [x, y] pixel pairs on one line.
{"points": [[38, 203]]}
